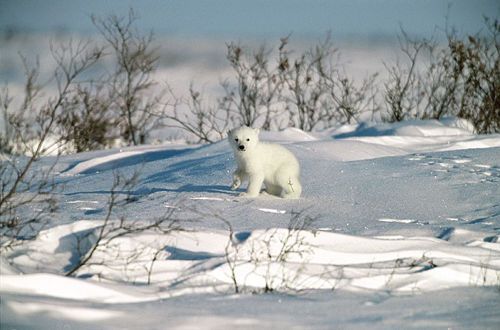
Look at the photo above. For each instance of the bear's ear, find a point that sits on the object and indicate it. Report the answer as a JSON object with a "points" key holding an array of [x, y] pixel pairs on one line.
{"points": [[257, 131], [230, 133]]}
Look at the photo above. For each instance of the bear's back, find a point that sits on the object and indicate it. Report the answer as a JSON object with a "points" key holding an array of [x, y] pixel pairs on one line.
{"points": [[275, 154]]}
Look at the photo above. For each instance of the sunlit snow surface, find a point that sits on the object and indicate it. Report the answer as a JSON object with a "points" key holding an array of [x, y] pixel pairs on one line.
{"points": [[406, 219]]}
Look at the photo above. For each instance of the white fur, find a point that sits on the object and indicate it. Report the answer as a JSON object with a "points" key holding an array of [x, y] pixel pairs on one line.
{"points": [[263, 163]]}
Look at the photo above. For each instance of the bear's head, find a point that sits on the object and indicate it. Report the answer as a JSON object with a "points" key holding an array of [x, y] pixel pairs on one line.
{"points": [[244, 138]]}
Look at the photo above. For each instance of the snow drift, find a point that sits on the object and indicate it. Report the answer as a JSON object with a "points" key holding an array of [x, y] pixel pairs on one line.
{"points": [[403, 209]]}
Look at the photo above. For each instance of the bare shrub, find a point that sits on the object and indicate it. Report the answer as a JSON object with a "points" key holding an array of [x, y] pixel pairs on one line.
{"points": [[114, 227], [291, 246], [31, 132], [80, 115], [317, 94], [205, 122], [477, 61], [268, 254], [275, 90], [305, 94], [32, 128], [402, 89], [88, 122], [131, 83], [26, 200], [252, 99], [460, 79], [310, 91], [438, 85]]}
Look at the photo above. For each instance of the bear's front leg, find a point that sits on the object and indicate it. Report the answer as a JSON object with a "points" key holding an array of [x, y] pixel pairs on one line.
{"points": [[238, 177], [254, 184]]}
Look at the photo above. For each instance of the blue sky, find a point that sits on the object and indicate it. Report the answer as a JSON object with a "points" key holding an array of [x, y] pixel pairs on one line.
{"points": [[257, 18]]}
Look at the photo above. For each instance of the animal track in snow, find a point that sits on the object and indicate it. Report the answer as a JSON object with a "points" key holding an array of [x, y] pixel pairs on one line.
{"points": [[203, 198], [443, 166]]}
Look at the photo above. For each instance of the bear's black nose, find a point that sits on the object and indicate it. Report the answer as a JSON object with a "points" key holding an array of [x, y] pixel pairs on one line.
{"points": [[242, 147]]}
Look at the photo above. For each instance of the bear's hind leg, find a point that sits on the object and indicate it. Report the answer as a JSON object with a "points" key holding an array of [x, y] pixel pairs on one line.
{"points": [[291, 187], [273, 189]]}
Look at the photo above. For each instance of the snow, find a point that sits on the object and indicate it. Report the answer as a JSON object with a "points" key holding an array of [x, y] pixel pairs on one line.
{"points": [[398, 227]]}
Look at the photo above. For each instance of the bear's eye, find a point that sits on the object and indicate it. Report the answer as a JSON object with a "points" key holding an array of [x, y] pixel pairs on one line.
{"points": [[236, 139], [248, 139]]}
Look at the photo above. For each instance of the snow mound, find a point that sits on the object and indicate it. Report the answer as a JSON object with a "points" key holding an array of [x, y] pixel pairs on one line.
{"points": [[122, 158], [273, 259], [418, 135], [346, 150], [426, 128], [290, 134], [50, 285], [396, 209]]}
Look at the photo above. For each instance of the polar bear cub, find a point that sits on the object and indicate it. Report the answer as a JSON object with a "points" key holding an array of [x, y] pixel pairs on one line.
{"points": [[263, 163]]}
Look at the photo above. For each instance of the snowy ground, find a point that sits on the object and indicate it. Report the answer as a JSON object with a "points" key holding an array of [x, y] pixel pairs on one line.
{"points": [[403, 232]]}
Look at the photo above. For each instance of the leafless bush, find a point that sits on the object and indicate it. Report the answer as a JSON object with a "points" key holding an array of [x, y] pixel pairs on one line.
{"points": [[87, 123], [317, 94], [32, 129], [402, 89], [477, 60], [122, 103], [203, 121], [293, 244], [131, 83], [460, 79], [305, 93], [265, 252], [268, 253], [26, 200], [30, 133], [19, 134], [438, 85], [275, 90], [252, 99], [80, 115], [311, 92], [115, 227]]}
